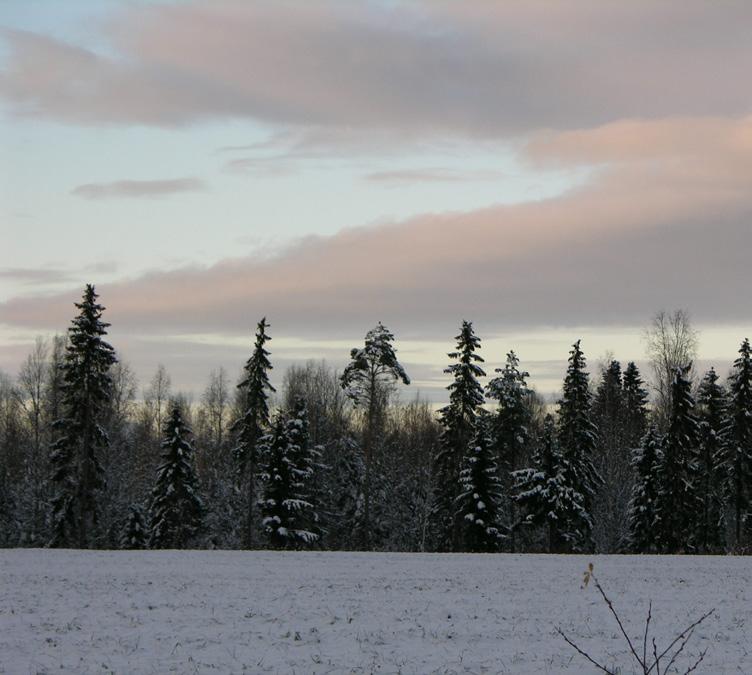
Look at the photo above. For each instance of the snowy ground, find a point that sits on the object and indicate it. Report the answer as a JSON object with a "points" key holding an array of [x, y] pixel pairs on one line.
{"points": [[263, 612]]}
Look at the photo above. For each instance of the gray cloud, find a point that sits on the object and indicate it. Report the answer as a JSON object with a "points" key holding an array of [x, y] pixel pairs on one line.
{"points": [[431, 175], [37, 276], [481, 69], [138, 188]]}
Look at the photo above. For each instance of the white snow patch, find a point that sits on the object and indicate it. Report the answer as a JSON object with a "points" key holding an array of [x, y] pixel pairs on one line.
{"points": [[270, 612]]}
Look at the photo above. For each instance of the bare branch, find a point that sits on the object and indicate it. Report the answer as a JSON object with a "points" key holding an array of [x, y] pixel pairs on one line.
{"points": [[584, 653], [647, 631], [616, 616], [686, 632]]}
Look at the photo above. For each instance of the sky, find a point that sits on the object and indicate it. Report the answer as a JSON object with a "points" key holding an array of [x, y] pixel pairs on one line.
{"points": [[550, 171]]}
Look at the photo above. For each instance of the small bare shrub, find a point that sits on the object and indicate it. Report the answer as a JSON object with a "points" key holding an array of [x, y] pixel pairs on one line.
{"points": [[650, 658]]}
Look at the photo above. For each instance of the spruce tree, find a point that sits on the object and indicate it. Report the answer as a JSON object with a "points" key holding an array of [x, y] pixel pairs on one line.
{"points": [[510, 431], [612, 460], [176, 509], [577, 436], [738, 440], [367, 380], [254, 391], [677, 503], [477, 505], [459, 427], [306, 464], [711, 523], [288, 517], [635, 398], [75, 459], [642, 506], [134, 536], [547, 497]]}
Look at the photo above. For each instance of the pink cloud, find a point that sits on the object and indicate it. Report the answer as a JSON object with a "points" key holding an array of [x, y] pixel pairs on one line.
{"points": [[671, 233], [477, 69]]}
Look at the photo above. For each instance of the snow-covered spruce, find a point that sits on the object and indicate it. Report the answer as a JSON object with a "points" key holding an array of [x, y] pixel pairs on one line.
{"points": [[510, 432], [548, 499], [289, 518], [577, 439], [641, 516], [176, 509], [459, 426], [710, 533], [135, 531], [677, 501], [477, 505], [737, 435], [75, 459]]}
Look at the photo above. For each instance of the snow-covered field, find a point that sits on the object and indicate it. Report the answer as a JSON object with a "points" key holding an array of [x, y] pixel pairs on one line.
{"points": [[264, 612]]}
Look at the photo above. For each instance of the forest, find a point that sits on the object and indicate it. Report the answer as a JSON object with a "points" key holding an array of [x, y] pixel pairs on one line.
{"points": [[622, 462]]}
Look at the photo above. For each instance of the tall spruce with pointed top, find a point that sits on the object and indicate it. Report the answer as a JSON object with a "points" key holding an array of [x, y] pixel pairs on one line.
{"points": [[612, 460], [711, 522], [577, 436], [77, 473], [477, 505], [737, 435], [642, 506], [367, 381], [254, 391], [738, 441], [176, 509], [635, 399], [510, 431], [459, 427], [546, 496], [677, 503]]}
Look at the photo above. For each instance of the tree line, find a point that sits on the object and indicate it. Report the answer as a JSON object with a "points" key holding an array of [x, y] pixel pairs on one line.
{"points": [[337, 461]]}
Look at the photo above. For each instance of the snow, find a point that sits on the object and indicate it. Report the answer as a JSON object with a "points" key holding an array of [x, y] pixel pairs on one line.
{"points": [[273, 612]]}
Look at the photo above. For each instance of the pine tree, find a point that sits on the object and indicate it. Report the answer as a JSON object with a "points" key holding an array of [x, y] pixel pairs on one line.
{"points": [[459, 427], [738, 440], [176, 509], [367, 381], [635, 398], [547, 497], [577, 436], [480, 494], [642, 506], [288, 517], [75, 459], [677, 503], [135, 531], [711, 523], [510, 429], [254, 391]]}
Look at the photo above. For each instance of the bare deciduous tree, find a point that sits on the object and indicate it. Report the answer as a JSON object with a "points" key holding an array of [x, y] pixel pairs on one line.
{"points": [[215, 399], [31, 393], [157, 398], [671, 343]]}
